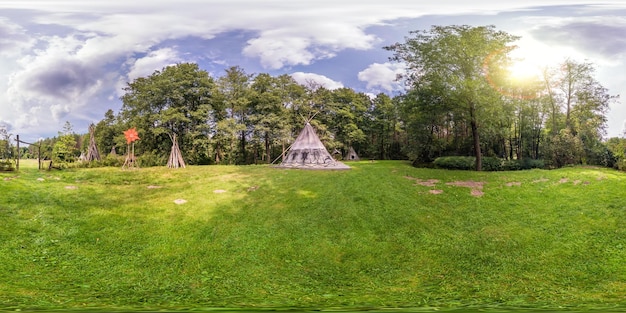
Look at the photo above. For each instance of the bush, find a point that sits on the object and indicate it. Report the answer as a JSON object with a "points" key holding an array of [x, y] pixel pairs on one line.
{"points": [[492, 164], [489, 163], [7, 166], [511, 165], [148, 159], [456, 162]]}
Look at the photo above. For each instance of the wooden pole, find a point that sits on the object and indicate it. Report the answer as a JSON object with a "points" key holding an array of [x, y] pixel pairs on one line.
{"points": [[17, 162]]}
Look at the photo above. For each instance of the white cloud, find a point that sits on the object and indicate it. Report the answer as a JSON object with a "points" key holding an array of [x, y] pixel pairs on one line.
{"points": [[308, 79], [383, 76], [59, 55], [13, 38], [155, 60]]}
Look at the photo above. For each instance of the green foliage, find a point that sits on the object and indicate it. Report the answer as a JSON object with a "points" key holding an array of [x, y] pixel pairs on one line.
{"points": [[455, 162], [489, 163], [7, 166], [150, 158], [64, 149], [564, 149]]}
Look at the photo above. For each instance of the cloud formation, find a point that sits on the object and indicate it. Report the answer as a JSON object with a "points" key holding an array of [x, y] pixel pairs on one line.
{"points": [[69, 59], [383, 76], [312, 79]]}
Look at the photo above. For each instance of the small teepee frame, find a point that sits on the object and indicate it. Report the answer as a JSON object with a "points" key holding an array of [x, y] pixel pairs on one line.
{"points": [[92, 152], [176, 158]]}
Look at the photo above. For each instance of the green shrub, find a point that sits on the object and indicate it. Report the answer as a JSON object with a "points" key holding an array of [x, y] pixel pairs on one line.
{"points": [[455, 162], [489, 163], [528, 164], [148, 159], [7, 166], [492, 164], [511, 165]]}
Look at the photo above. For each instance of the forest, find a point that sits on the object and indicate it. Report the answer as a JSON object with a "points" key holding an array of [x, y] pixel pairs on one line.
{"points": [[460, 99]]}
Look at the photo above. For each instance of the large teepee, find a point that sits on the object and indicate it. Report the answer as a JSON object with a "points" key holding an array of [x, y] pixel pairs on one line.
{"points": [[92, 153], [308, 152]]}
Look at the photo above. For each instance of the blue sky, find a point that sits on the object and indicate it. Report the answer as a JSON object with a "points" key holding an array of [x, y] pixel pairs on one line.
{"points": [[68, 60]]}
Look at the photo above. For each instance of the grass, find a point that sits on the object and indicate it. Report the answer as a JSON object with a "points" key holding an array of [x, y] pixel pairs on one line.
{"points": [[367, 238]]}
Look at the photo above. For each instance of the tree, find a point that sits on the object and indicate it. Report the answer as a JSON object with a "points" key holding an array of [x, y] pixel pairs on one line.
{"points": [[5, 143], [64, 150], [235, 104], [176, 100], [580, 104], [457, 61]]}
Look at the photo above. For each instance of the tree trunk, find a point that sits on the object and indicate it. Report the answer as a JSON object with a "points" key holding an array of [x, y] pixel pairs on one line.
{"points": [[267, 147], [476, 137]]}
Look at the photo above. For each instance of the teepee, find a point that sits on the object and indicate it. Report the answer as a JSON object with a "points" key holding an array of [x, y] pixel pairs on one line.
{"points": [[351, 155], [92, 152], [176, 158], [308, 152]]}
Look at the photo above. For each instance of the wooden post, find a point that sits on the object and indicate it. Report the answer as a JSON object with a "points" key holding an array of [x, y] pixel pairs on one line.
{"points": [[17, 162]]}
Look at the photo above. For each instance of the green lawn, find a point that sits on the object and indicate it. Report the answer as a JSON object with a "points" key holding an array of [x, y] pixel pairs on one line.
{"points": [[259, 237]]}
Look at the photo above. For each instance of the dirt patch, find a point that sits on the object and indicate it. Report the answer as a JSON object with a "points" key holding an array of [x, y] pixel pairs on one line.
{"points": [[180, 201], [153, 187], [541, 180], [423, 182], [219, 191], [563, 180], [435, 191], [427, 183], [40, 179], [515, 183], [576, 182], [253, 188], [469, 184], [477, 193], [71, 187]]}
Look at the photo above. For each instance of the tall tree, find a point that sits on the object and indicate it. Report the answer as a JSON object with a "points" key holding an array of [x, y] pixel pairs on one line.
{"points": [[233, 120], [64, 150], [457, 58], [582, 103], [175, 100]]}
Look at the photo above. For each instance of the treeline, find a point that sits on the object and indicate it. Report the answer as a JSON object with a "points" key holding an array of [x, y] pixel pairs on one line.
{"points": [[460, 100]]}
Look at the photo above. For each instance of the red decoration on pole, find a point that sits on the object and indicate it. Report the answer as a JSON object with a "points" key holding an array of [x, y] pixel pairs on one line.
{"points": [[131, 135]]}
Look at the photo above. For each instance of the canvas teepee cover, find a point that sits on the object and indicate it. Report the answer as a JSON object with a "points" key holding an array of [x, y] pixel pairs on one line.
{"points": [[351, 155], [308, 152]]}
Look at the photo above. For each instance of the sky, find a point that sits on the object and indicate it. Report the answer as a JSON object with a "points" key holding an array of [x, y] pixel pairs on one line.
{"points": [[68, 60]]}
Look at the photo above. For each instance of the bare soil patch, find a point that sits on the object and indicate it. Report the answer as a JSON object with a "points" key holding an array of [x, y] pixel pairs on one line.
{"points": [[477, 193], [541, 180], [71, 187], [180, 201], [435, 191], [515, 183], [469, 184], [153, 187], [427, 183], [219, 191], [563, 180]]}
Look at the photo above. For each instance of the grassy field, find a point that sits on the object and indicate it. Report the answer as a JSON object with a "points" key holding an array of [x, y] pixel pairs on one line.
{"points": [[382, 235]]}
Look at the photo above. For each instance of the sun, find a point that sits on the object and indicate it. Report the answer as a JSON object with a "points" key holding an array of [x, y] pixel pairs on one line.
{"points": [[526, 69], [530, 59]]}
